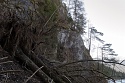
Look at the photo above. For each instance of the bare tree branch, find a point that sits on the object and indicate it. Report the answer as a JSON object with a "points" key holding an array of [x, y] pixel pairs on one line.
{"points": [[3, 58], [108, 77], [33, 74], [6, 62], [9, 71], [87, 61], [49, 19]]}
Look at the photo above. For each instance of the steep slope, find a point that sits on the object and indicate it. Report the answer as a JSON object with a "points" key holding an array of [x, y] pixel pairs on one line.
{"points": [[12, 72], [37, 33]]}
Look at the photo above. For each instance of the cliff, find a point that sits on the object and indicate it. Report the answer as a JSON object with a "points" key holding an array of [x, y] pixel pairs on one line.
{"points": [[37, 36]]}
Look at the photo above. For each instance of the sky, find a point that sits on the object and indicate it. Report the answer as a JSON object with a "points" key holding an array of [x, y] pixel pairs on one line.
{"points": [[108, 16]]}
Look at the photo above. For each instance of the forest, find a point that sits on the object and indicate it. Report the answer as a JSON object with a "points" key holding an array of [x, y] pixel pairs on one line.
{"points": [[42, 41]]}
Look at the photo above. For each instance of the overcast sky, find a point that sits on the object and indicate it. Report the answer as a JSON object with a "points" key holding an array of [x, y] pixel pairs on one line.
{"points": [[108, 16]]}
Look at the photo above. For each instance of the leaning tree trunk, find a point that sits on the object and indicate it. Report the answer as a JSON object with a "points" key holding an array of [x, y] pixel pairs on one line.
{"points": [[33, 63]]}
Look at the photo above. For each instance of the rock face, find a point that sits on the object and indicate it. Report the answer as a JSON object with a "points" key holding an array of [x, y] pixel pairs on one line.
{"points": [[41, 27], [71, 49], [71, 46]]}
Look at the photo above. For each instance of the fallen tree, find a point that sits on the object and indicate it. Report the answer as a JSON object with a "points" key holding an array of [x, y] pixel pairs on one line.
{"points": [[46, 73]]}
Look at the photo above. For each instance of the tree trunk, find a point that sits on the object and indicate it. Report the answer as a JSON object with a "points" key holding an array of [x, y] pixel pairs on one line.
{"points": [[49, 71], [31, 65]]}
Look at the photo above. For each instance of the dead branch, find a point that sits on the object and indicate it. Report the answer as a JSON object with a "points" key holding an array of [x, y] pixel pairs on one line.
{"points": [[86, 80], [6, 62], [67, 78], [9, 71], [122, 61], [3, 58], [51, 72], [108, 77], [33, 74], [87, 61], [49, 19], [31, 65]]}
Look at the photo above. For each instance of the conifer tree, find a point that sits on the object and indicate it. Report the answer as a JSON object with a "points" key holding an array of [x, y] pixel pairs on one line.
{"points": [[76, 9]]}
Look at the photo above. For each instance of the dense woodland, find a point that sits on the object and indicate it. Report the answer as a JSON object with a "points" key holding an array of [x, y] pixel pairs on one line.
{"points": [[41, 41]]}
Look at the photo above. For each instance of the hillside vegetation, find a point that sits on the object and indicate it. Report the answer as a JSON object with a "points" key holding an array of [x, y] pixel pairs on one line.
{"points": [[40, 42]]}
